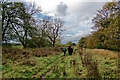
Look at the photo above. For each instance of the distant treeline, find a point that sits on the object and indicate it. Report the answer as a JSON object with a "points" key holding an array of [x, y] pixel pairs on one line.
{"points": [[107, 25]]}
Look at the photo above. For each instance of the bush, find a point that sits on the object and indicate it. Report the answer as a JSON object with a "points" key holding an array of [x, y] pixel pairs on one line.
{"points": [[42, 42], [98, 46], [30, 43], [6, 45]]}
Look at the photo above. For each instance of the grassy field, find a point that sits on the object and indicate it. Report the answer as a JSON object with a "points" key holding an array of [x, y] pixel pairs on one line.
{"points": [[31, 63]]}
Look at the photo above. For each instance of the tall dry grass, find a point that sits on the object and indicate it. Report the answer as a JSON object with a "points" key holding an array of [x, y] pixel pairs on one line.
{"points": [[103, 53], [24, 56], [19, 53], [91, 65]]}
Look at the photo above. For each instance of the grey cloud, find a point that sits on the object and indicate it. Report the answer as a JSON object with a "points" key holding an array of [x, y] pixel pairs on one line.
{"points": [[80, 19], [61, 9]]}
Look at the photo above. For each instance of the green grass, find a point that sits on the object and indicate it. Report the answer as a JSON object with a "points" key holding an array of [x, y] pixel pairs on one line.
{"points": [[20, 46], [54, 66]]}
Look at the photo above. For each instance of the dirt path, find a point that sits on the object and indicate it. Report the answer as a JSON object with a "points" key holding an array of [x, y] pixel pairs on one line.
{"points": [[52, 69]]}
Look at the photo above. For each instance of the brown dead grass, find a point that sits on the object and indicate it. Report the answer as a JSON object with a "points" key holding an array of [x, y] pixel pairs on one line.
{"points": [[24, 56], [90, 64], [40, 52], [15, 53], [103, 52]]}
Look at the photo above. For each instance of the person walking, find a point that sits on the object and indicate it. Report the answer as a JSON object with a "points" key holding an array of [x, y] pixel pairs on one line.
{"points": [[64, 50], [70, 50]]}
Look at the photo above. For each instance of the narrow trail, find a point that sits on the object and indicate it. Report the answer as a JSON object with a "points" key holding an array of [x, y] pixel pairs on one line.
{"points": [[56, 64], [51, 70], [54, 67]]}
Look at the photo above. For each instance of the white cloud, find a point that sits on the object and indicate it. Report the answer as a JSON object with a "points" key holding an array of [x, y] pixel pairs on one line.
{"points": [[68, 35], [80, 33], [73, 37]]}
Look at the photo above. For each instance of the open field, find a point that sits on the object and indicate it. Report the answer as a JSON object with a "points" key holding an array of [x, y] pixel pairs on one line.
{"points": [[35, 33], [51, 63]]}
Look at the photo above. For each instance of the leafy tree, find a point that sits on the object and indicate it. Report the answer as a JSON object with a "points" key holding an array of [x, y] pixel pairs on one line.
{"points": [[41, 42], [17, 24], [90, 42], [57, 43], [74, 44], [107, 22], [69, 43], [81, 42]]}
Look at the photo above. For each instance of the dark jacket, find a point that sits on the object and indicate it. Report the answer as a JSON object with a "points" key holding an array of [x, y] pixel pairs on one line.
{"points": [[70, 50]]}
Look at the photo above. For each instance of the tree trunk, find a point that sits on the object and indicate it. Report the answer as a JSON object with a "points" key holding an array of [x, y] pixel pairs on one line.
{"points": [[24, 45], [54, 43]]}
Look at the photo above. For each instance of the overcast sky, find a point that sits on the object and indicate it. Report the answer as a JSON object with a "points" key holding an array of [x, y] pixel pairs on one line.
{"points": [[77, 15]]}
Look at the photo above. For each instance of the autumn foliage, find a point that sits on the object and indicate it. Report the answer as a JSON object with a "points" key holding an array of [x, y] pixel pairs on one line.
{"points": [[107, 25]]}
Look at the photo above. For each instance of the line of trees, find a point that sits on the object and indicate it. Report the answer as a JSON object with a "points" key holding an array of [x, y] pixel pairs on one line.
{"points": [[18, 24], [107, 23]]}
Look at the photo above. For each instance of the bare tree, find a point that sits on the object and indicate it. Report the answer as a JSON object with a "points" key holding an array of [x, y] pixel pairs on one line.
{"points": [[54, 30], [51, 28], [32, 8]]}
